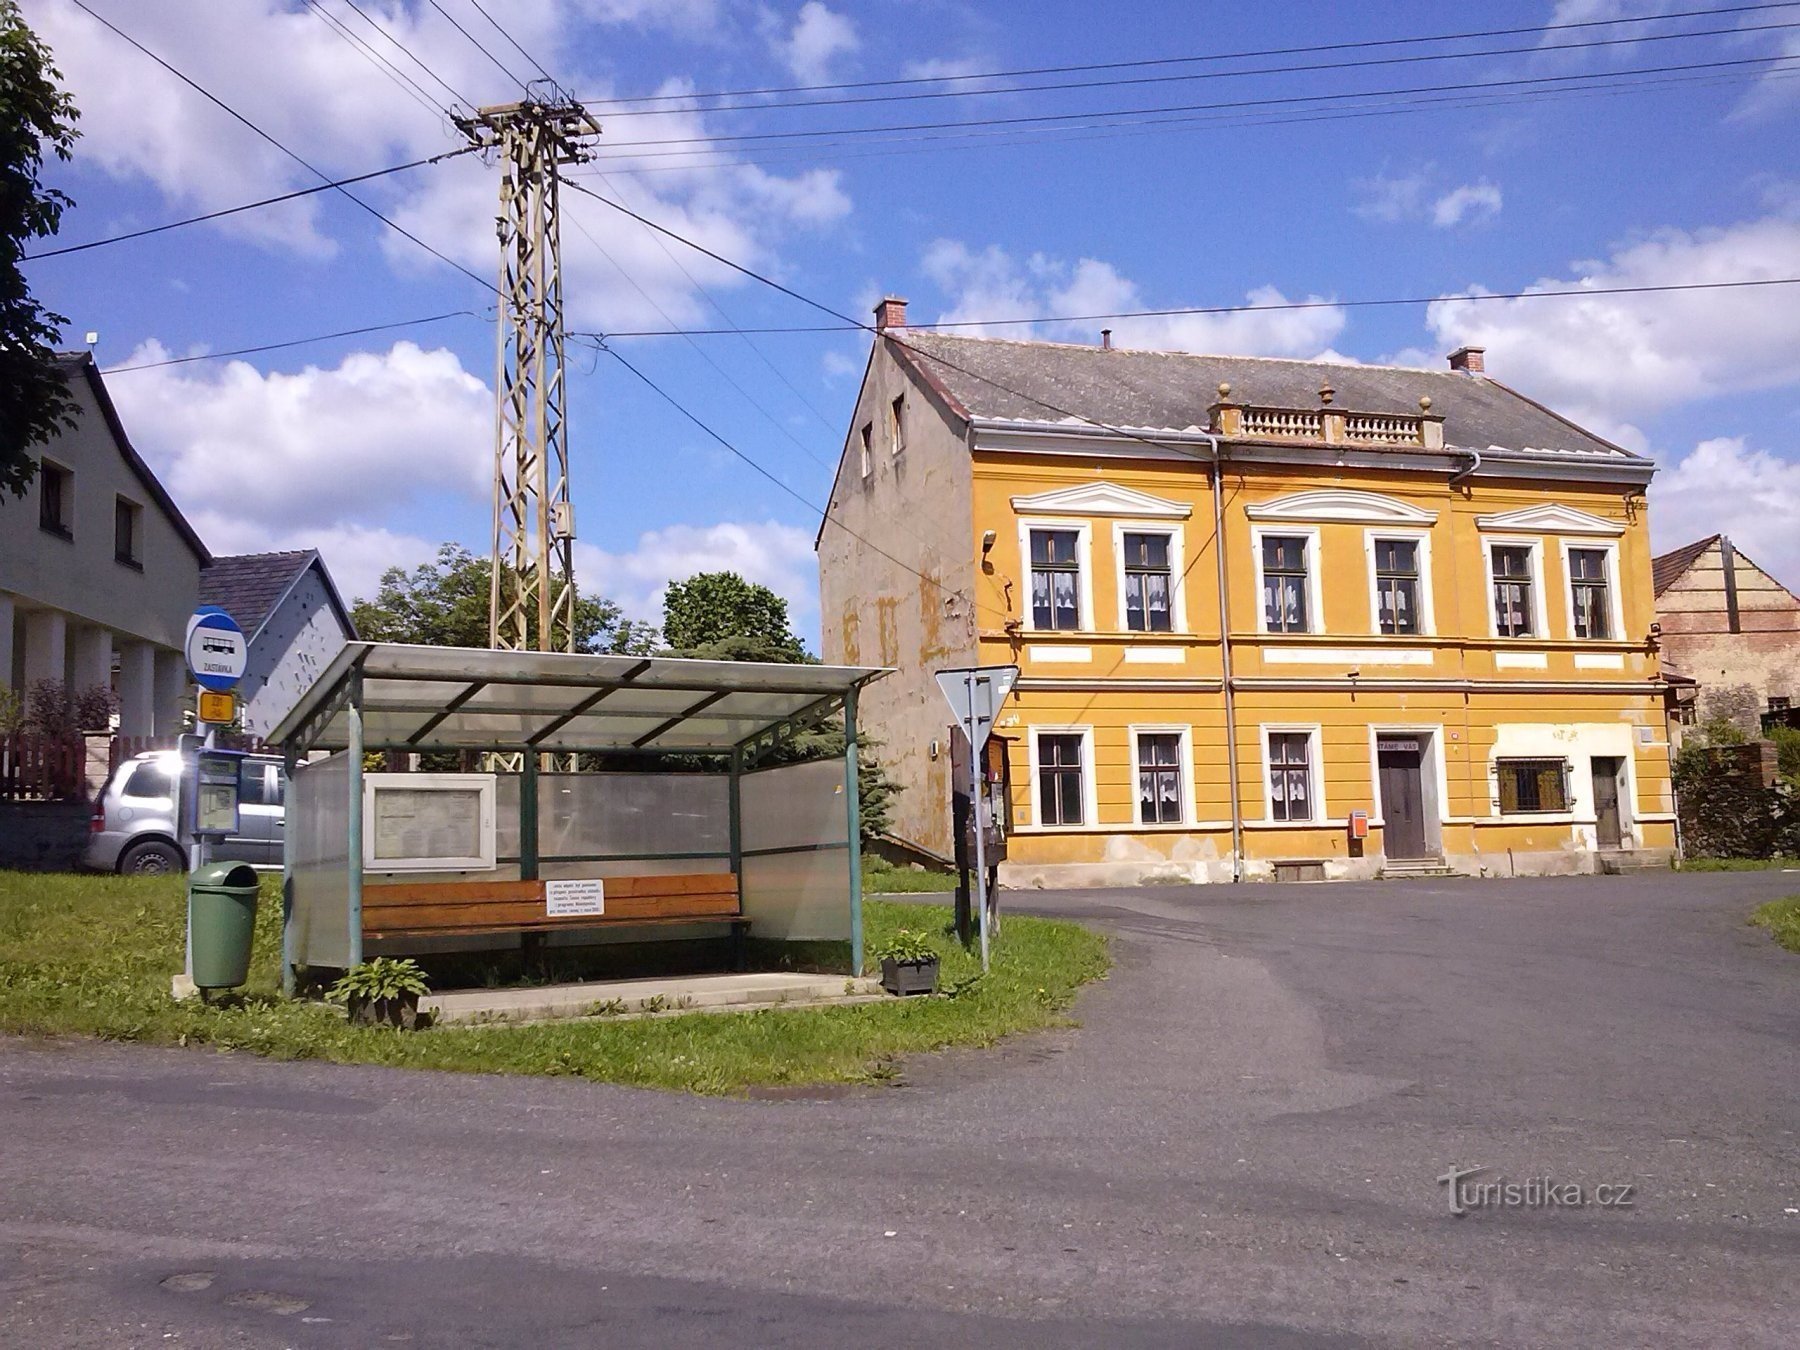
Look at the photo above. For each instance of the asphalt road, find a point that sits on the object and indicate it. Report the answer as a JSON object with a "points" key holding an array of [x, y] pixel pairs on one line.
{"points": [[1239, 1147]]}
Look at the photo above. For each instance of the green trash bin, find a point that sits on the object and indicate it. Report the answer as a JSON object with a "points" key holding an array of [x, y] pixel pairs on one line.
{"points": [[221, 922]]}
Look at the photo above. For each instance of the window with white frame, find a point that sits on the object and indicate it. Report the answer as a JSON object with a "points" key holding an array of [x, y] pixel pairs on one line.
{"points": [[1159, 777], [1291, 776], [1055, 579], [1515, 583], [1590, 592], [1149, 581], [1398, 597], [1285, 583], [1061, 790]]}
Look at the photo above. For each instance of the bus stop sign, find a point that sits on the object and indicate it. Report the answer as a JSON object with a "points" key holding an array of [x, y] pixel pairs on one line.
{"points": [[975, 696]]}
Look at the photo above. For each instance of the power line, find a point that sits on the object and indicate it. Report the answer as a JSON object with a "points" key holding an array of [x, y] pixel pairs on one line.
{"points": [[400, 79], [1363, 45], [295, 342], [237, 116], [1303, 68], [1044, 119], [408, 53], [247, 206], [824, 514], [514, 41], [941, 360], [476, 43], [628, 162], [1573, 291]]}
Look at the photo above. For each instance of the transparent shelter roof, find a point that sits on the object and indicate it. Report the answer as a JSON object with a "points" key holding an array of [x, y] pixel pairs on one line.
{"points": [[463, 698]]}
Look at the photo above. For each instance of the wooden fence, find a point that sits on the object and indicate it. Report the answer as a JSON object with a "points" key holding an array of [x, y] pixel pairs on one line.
{"points": [[36, 767]]}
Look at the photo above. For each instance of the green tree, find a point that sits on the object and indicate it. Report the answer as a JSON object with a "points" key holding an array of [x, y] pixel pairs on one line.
{"points": [[444, 603], [722, 617], [34, 113]]}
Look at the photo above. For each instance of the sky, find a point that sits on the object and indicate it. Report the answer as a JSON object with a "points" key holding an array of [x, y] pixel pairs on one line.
{"points": [[1637, 154]]}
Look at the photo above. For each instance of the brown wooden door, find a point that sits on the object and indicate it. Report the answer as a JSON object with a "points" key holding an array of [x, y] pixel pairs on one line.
{"points": [[1402, 800], [1608, 831]]}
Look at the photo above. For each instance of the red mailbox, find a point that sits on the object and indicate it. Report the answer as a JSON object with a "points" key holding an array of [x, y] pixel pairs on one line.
{"points": [[1359, 824]]}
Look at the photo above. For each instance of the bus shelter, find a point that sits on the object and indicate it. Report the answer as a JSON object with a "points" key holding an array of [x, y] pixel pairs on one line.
{"points": [[393, 863]]}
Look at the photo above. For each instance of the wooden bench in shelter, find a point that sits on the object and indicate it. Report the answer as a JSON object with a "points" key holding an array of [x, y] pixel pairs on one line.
{"points": [[405, 909]]}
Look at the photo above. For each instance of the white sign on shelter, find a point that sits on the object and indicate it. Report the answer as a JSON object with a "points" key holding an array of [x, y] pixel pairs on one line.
{"points": [[575, 899]]}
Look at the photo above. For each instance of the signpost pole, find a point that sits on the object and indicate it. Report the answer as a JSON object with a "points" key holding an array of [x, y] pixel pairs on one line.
{"points": [[975, 696], [216, 653], [977, 743]]}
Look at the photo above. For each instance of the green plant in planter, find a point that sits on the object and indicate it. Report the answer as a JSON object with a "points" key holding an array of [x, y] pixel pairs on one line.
{"points": [[909, 963], [384, 991]]}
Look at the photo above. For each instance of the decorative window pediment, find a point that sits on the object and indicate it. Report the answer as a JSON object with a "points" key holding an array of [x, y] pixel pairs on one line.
{"points": [[1341, 504], [1550, 518], [1101, 499]]}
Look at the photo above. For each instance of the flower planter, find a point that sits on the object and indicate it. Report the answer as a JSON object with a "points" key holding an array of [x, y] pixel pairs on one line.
{"points": [[402, 1011], [909, 977]]}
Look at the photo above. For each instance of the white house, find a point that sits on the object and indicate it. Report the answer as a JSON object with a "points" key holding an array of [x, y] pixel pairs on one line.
{"points": [[97, 564]]}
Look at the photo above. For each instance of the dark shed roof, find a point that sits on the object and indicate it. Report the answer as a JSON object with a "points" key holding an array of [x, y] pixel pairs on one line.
{"points": [[1666, 568], [1001, 380], [248, 586]]}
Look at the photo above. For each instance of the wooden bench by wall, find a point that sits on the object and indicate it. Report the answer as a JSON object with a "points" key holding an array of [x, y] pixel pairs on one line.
{"points": [[435, 908]]}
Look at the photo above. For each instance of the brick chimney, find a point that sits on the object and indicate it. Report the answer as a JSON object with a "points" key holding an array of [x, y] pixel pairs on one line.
{"points": [[1468, 360], [890, 312]]}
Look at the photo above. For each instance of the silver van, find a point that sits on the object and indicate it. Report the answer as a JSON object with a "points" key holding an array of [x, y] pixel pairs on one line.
{"points": [[136, 824]]}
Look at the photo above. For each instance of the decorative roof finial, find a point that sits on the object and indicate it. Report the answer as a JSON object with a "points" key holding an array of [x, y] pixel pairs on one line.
{"points": [[1424, 403], [1224, 390], [1326, 392]]}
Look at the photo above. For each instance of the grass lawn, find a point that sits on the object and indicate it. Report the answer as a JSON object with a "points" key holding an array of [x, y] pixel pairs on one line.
{"points": [[878, 878], [1782, 919], [1739, 864], [92, 956]]}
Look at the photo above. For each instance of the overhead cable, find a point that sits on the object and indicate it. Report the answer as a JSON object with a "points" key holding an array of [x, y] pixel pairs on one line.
{"points": [[239, 117]]}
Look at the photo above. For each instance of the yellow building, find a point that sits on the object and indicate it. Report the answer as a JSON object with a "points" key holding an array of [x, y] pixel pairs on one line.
{"points": [[1436, 600]]}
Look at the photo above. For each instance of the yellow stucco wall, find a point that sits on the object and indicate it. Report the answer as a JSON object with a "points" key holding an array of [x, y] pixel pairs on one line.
{"points": [[1470, 695]]}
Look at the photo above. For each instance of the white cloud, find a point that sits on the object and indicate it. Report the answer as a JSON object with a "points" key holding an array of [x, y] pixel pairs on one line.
{"points": [[1774, 89], [356, 555], [992, 284], [1608, 359], [1471, 201], [141, 124], [777, 556], [819, 37], [1417, 196], [317, 458], [1389, 199], [1724, 487]]}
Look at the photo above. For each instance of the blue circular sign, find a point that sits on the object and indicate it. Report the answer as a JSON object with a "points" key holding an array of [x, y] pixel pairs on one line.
{"points": [[216, 650]]}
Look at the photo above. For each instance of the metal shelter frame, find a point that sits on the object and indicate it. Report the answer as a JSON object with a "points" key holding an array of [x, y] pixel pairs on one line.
{"points": [[388, 696]]}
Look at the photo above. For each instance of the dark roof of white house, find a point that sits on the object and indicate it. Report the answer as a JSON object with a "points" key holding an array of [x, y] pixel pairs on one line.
{"points": [[1000, 380], [74, 365], [249, 586]]}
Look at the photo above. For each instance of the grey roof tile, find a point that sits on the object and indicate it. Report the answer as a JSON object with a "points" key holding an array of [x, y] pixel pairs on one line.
{"points": [[1003, 380], [248, 586]]}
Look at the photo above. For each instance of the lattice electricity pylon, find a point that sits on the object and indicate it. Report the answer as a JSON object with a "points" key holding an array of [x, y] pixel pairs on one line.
{"points": [[531, 601]]}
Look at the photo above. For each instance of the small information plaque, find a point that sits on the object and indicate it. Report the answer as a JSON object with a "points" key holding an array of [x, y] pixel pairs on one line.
{"points": [[574, 899]]}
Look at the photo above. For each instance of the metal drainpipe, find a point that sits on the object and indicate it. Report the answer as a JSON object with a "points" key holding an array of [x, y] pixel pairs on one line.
{"points": [[1231, 757]]}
